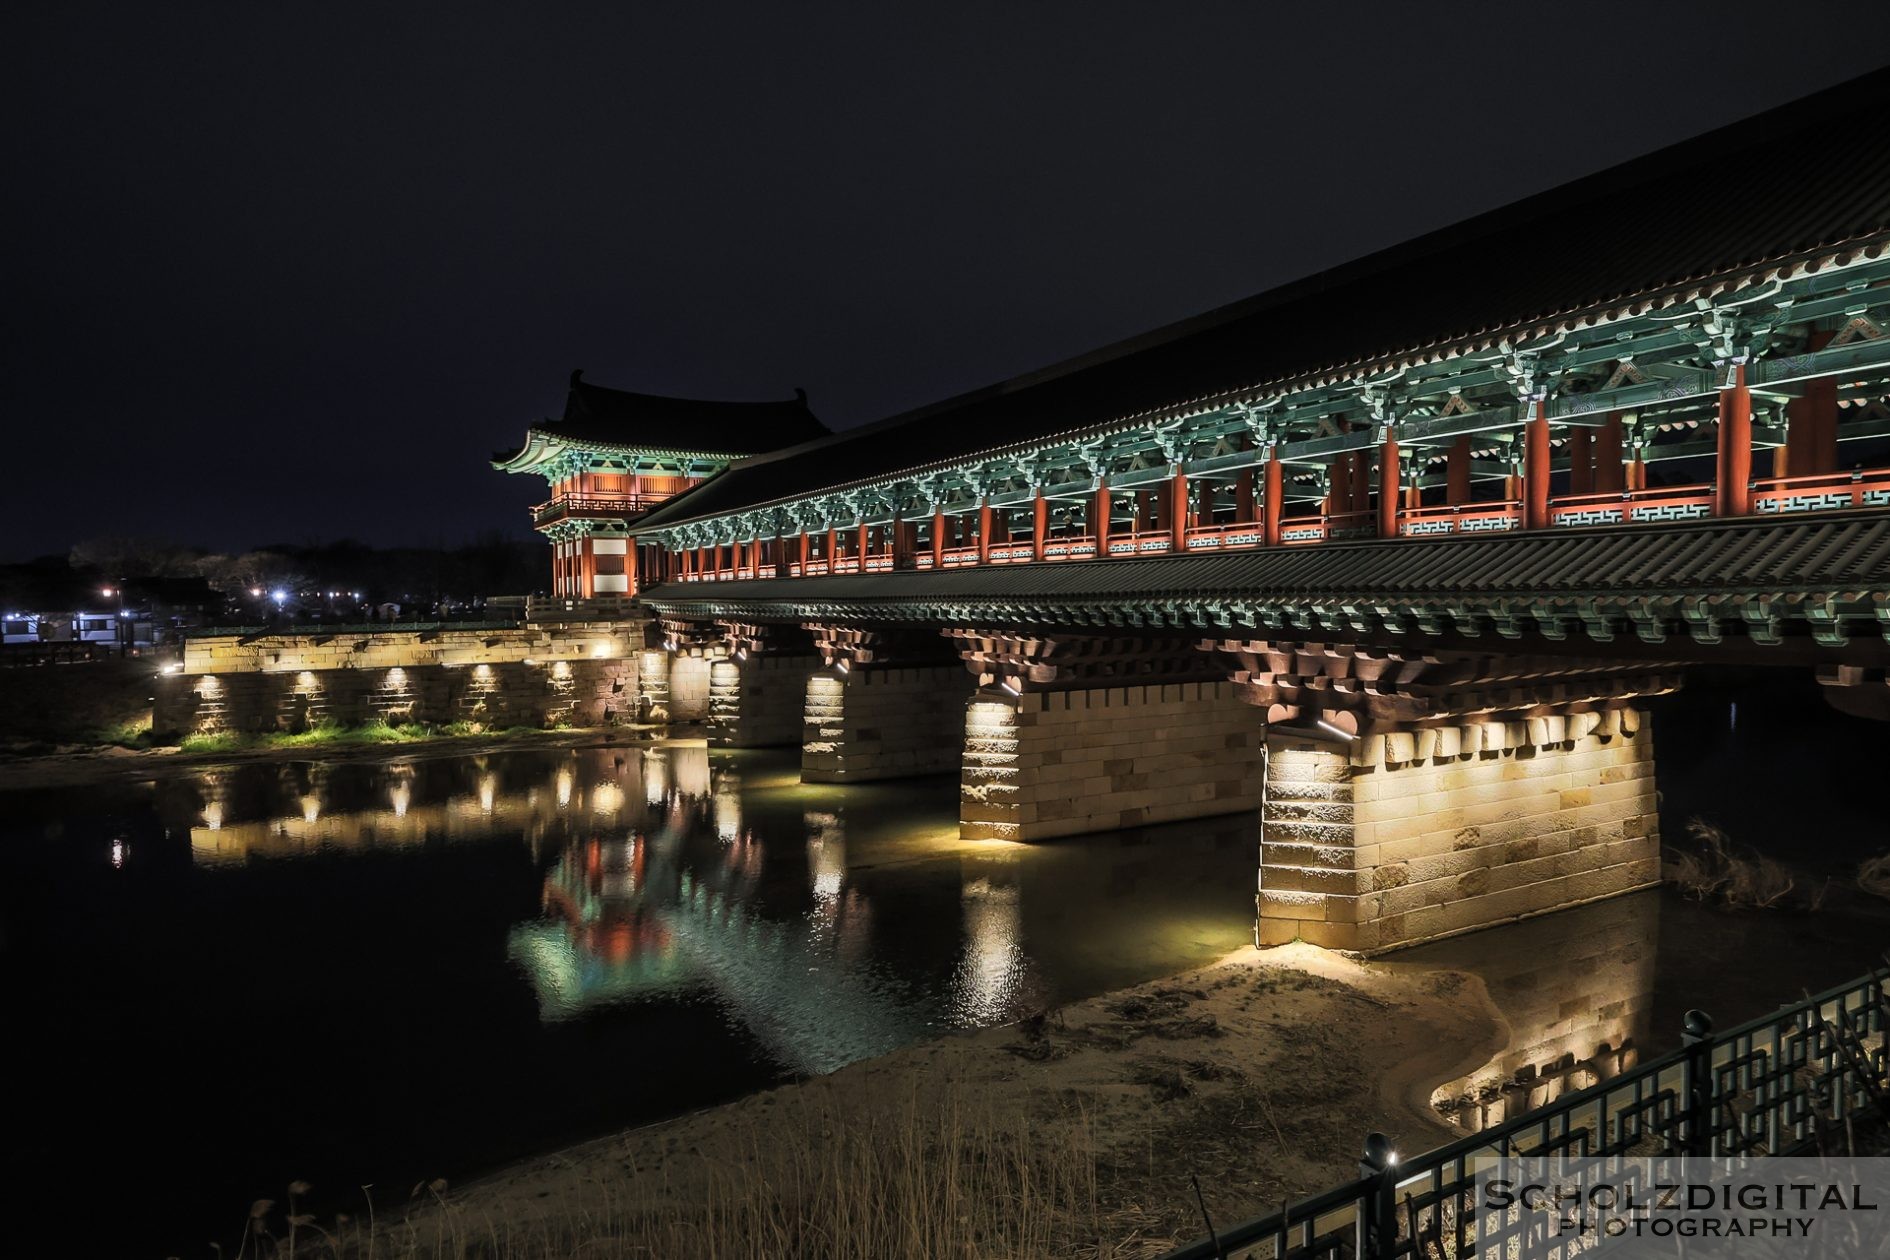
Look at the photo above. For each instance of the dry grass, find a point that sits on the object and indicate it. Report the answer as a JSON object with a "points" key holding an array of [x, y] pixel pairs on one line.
{"points": [[1713, 870], [947, 1177], [1873, 876]]}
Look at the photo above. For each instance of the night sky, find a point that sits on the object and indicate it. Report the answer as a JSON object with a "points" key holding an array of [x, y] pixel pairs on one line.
{"points": [[289, 272]]}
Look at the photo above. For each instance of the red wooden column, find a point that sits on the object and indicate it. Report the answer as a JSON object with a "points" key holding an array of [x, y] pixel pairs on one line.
{"points": [[1389, 490], [866, 544], [1275, 500], [1734, 474], [1810, 426], [1243, 498], [1339, 486], [1581, 461], [1178, 511], [754, 558], [1099, 517], [938, 539], [587, 571], [1457, 472], [1039, 525], [805, 545], [984, 530], [833, 548], [1536, 467], [1608, 473]]}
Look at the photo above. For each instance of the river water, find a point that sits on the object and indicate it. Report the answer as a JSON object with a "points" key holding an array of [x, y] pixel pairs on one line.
{"points": [[425, 967]]}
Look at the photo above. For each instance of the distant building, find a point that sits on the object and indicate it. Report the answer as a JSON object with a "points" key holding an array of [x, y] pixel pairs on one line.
{"points": [[615, 455]]}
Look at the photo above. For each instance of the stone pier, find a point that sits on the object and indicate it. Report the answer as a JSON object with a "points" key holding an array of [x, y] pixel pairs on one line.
{"points": [[883, 705], [1415, 793], [1075, 733], [1059, 763], [756, 702], [1390, 840], [883, 722]]}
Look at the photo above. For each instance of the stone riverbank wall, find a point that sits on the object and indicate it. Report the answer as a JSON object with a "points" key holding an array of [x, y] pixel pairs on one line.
{"points": [[492, 677]]}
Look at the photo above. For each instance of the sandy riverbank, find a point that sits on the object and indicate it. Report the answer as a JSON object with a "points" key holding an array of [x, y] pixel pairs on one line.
{"points": [[1260, 1075]]}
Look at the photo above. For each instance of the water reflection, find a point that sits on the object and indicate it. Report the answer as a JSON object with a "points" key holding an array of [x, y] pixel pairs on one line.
{"points": [[993, 969], [1575, 990], [827, 924]]}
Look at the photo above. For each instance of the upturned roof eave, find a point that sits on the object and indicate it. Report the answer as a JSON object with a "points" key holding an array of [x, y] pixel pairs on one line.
{"points": [[543, 444]]}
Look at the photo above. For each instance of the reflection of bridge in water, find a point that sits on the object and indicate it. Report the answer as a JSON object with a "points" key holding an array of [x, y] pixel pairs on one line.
{"points": [[661, 885], [1575, 991], [669, 903]]}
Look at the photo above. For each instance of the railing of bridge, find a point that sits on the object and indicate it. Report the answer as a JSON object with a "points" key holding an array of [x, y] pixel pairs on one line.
{"points": [[1862, 488], [1825, 492], [1788, 1083]]}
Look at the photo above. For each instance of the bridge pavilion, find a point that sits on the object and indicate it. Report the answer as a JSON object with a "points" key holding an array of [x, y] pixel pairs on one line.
{"points": [[1393, 553], [614, 455]]}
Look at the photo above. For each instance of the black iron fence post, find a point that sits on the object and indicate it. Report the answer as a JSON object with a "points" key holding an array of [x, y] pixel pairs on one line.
{"points": [[1377, 1213], [1696, 1037]]}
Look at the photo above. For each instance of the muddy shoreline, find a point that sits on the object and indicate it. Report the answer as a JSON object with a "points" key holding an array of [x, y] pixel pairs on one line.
{"points": [[1260, 1075]]}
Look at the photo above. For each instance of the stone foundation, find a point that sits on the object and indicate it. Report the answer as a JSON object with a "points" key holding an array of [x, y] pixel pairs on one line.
{"points": [[1401, 838], [653, 684], [883, 723], [1060, 763], [580, 675], [493, 697], [757, 703], [688, 688], [374, 647]]}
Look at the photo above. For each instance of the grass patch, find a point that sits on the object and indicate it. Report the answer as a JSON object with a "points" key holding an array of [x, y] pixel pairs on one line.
{"points": [[333, 735], [135, 733]]}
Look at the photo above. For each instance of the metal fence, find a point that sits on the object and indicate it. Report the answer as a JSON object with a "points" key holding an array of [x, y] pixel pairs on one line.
{"points": [[1788, 1083]]}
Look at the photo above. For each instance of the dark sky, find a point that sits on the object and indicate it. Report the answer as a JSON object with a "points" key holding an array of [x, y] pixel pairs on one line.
{"points": [[290, 271]]}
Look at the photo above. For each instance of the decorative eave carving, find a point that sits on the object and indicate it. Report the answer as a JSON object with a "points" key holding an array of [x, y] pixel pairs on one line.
{"points": [[1060, 662], [1361, 689]]}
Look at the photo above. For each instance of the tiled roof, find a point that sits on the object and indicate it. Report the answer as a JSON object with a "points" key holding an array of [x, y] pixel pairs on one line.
{"points": [[1711, 565], [1797, 183], [620, 418]]}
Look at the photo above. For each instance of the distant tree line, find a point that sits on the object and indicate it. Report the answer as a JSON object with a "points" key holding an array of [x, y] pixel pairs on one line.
{"points": [[413, 576]]}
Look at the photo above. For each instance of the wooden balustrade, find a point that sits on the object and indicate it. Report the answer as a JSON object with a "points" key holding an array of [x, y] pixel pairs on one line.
{"points": [[1070, 547], [1460, 518], [1628, 507], [1823, 492], [1865, 488], [1231, 534], [607, 505]]}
